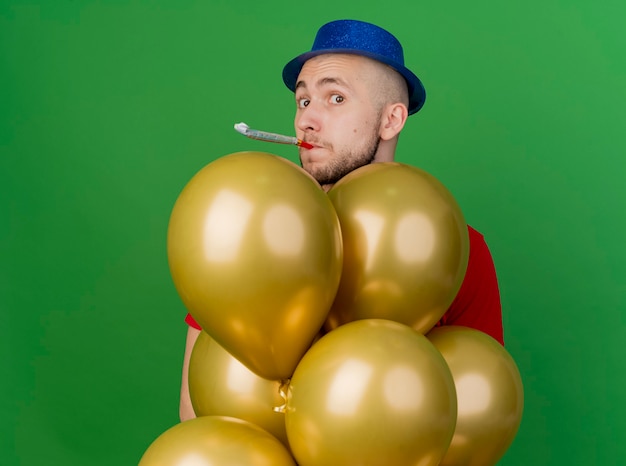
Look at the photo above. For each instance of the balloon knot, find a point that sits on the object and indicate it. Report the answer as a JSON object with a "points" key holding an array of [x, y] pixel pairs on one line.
{"points": [[282, 391]]}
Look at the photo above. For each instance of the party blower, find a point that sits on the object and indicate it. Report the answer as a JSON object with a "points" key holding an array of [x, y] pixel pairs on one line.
{"points": [[270, 137]]}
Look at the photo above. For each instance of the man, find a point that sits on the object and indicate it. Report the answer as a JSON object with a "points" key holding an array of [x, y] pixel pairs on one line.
{"points": [[353, 95]]}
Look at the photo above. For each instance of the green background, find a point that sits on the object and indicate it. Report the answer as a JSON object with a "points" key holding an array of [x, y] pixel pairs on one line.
{"points": [[108, 108]]}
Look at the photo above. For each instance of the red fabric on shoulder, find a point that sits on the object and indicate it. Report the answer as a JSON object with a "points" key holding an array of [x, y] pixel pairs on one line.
{"points": [[192, 322], [477, 304]]}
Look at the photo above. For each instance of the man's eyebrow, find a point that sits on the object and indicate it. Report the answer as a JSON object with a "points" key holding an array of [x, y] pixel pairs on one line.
{"points": [[323, 82], [331, 80]]}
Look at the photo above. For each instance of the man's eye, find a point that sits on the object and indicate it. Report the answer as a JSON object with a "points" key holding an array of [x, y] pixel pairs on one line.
{"points": [[336, 98], [302, 103]]}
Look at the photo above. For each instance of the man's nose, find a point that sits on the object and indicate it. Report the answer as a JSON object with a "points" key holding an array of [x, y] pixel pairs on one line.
{"points": [[308, 119]]}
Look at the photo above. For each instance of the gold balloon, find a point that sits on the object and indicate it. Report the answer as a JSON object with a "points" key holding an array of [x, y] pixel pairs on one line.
{"points": [[220, 385], [372, 392], [254, 248], [406, 246], [216, 440], [489, 392]]}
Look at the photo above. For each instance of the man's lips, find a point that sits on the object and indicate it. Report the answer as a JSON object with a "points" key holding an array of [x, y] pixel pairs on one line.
{"points": [[312, 144]]}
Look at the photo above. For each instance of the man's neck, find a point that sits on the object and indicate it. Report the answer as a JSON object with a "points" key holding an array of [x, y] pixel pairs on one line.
{"points": [[386, 151]]}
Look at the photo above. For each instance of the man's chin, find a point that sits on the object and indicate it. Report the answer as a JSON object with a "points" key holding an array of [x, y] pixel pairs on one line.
{"points": [[315, 169], [319, 176]]}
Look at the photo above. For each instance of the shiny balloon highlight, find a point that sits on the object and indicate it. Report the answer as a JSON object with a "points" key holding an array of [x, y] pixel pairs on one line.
{"points": [[318, 314], [255, 252], [216, 440], [372, 392], [490, 395], [221, 385], [406, 246]]}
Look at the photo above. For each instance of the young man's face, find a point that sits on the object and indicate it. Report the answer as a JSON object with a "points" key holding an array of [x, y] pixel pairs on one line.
{"points": [[336, 113]]}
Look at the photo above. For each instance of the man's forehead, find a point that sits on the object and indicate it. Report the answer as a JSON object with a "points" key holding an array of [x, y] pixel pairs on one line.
{"points": [[332, 68]]}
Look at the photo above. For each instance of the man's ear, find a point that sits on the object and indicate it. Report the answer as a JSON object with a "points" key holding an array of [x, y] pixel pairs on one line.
{"points": [[393, 120]]}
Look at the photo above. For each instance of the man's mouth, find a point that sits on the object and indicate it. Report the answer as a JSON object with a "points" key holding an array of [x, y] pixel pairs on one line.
{"points": [[314, 144]]}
